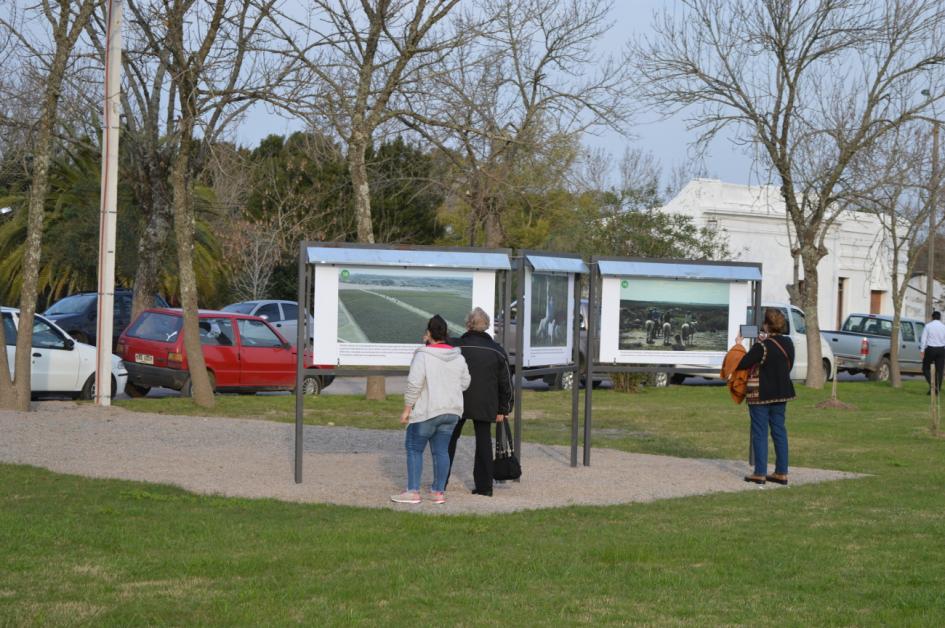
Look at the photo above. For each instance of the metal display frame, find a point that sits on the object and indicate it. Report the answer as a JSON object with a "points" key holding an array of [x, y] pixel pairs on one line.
{"points": [[305, 296], [592, 346], [519, 262]]}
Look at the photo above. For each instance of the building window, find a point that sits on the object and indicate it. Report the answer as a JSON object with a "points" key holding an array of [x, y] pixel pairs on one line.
{"points": [[876, 301]]}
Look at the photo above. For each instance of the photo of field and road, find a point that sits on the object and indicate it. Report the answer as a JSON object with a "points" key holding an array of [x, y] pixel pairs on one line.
{"points": [[673, 315], [394, 305], [549, 310]]}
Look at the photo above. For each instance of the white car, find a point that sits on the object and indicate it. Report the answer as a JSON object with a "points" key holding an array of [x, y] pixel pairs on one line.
{"points": [[61, 366]]}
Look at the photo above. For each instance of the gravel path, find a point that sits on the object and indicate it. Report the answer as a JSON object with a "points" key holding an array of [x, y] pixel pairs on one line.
{"points": [[349, 466]]}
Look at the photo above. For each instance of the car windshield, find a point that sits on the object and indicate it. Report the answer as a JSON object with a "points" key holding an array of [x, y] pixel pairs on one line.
{"points": [[76, 304], [156, 326], [240, 308]]}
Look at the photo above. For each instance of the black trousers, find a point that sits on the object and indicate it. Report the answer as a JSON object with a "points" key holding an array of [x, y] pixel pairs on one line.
{"points": [[482, 467], [936, 355]]}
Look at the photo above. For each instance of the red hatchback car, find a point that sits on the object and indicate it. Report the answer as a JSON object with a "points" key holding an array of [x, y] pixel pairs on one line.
{"points": [[243, 354]]}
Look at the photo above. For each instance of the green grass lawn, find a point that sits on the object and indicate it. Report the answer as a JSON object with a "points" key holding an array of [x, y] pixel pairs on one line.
{"points": [[860, 552]]}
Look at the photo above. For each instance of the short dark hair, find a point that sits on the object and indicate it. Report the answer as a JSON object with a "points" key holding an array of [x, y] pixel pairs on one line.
{"points": [[437, 328], [936, 315]]}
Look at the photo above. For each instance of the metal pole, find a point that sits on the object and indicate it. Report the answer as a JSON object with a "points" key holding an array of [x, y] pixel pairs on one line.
{"points": [[108, 213], [576, 371], [589, 359], [933, 201], [300, 344], [521, 324], [759, 317]]}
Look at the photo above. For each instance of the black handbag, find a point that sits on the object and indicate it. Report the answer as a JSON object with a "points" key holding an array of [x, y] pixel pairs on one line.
{"points": [[506, 466]]}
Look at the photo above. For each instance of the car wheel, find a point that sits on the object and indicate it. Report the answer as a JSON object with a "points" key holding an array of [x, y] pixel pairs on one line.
{"points": [[661, 379], [828, 370], [135, 391], [187, 389], [311, 386], [882, 372], [79, 336], [560, 381], [88, 389]]}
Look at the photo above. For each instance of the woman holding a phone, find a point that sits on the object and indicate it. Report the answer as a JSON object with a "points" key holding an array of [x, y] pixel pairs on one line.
{"points": [[771, 358]]}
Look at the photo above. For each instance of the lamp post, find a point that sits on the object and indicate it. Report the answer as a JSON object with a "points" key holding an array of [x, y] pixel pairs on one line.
{"points": [[933, 202], [108, 215]]}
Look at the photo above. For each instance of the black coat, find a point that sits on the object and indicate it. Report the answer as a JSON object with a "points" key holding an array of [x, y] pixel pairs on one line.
{"points": [[774, 375], [490, 391]]}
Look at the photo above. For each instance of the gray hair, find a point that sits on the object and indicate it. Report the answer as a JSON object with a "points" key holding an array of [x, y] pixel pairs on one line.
{"points": [[477, 320]]}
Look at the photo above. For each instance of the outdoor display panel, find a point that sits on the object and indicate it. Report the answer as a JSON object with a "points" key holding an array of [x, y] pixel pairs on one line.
{"points": [[376, 315], [670, 321], [656, 314], [549, 315]]}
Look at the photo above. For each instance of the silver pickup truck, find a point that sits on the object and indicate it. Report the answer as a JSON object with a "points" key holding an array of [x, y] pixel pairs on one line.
{"points": [[862, 345]]}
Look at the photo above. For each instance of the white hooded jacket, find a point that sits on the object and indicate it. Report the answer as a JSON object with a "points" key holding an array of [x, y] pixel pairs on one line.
{"points": [[438, 376]]}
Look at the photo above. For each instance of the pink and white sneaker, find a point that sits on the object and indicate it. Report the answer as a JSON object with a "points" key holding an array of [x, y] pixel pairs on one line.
{"points": [[407, 497], [439, 497]]}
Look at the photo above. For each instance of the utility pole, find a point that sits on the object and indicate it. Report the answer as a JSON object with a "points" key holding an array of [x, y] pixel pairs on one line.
{"points": [[933, 206], [108, 215]]}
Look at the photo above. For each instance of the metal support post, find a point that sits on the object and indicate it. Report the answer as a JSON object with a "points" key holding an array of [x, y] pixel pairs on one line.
{"points": [[589, 358], [576, 371], [300, 344], [519, 353]]}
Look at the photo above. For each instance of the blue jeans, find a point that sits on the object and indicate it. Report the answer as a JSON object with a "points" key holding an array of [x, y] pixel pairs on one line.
{"points": [[437, 431], [764, 416]]}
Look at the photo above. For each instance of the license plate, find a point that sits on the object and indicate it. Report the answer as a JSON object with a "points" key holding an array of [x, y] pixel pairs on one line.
{"points": [[144, 358]]}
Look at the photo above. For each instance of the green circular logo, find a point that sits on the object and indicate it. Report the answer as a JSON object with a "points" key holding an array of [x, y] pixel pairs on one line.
{"points": [[345, 274], [624, 283]]}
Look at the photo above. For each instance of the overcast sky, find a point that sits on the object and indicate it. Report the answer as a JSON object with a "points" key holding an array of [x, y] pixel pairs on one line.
{"points": [[668, 139]]}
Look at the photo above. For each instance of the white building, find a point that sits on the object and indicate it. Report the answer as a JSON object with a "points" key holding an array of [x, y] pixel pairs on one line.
{"points": [[855, 276], [913, 302]]}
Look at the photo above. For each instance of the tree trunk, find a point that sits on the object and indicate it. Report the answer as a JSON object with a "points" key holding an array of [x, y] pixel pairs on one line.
{"points": [[64, 37], [493, 228], [357, 165], [376, 388], [152, 245], [810, 257], [34, 236], [184, 231], [895, 376]]}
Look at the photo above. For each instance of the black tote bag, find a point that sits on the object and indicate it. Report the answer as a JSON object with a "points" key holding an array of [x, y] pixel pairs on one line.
{"points": [[506, 466]]}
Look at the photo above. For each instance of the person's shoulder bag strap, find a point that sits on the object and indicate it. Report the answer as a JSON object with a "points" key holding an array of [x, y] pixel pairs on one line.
{"points": [[778, 345]]}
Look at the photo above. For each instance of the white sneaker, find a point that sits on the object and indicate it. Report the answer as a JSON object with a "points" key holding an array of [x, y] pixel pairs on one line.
{"points": [[407, 497]]}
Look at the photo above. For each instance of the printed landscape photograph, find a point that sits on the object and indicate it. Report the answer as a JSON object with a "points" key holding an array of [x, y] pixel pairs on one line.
{"points": [[549, 310], [672, 315], [380, 305]]}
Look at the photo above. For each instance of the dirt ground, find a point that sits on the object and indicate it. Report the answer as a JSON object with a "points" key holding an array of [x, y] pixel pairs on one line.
{"points": [[341, 465]]}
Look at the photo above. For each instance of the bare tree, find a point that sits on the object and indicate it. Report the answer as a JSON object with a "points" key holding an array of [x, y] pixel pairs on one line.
{"points": [[811, 83], [353, 58], [530, 83], [901, 179], [48, 37], [204, 59]]}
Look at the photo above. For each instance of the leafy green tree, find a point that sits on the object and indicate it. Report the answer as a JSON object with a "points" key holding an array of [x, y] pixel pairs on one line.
{"points": [[69, 260]]}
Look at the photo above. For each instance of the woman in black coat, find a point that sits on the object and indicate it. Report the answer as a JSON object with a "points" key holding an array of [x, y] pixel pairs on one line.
{"points": [[773, 356], [488, 398]]}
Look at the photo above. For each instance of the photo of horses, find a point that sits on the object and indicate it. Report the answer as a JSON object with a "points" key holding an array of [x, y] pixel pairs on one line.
{"points": [[673, 315], [549, 310], [381, 305]]}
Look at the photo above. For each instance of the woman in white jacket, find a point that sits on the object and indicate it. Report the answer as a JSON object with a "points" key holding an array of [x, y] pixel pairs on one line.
{"points": [[433, 403]]}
